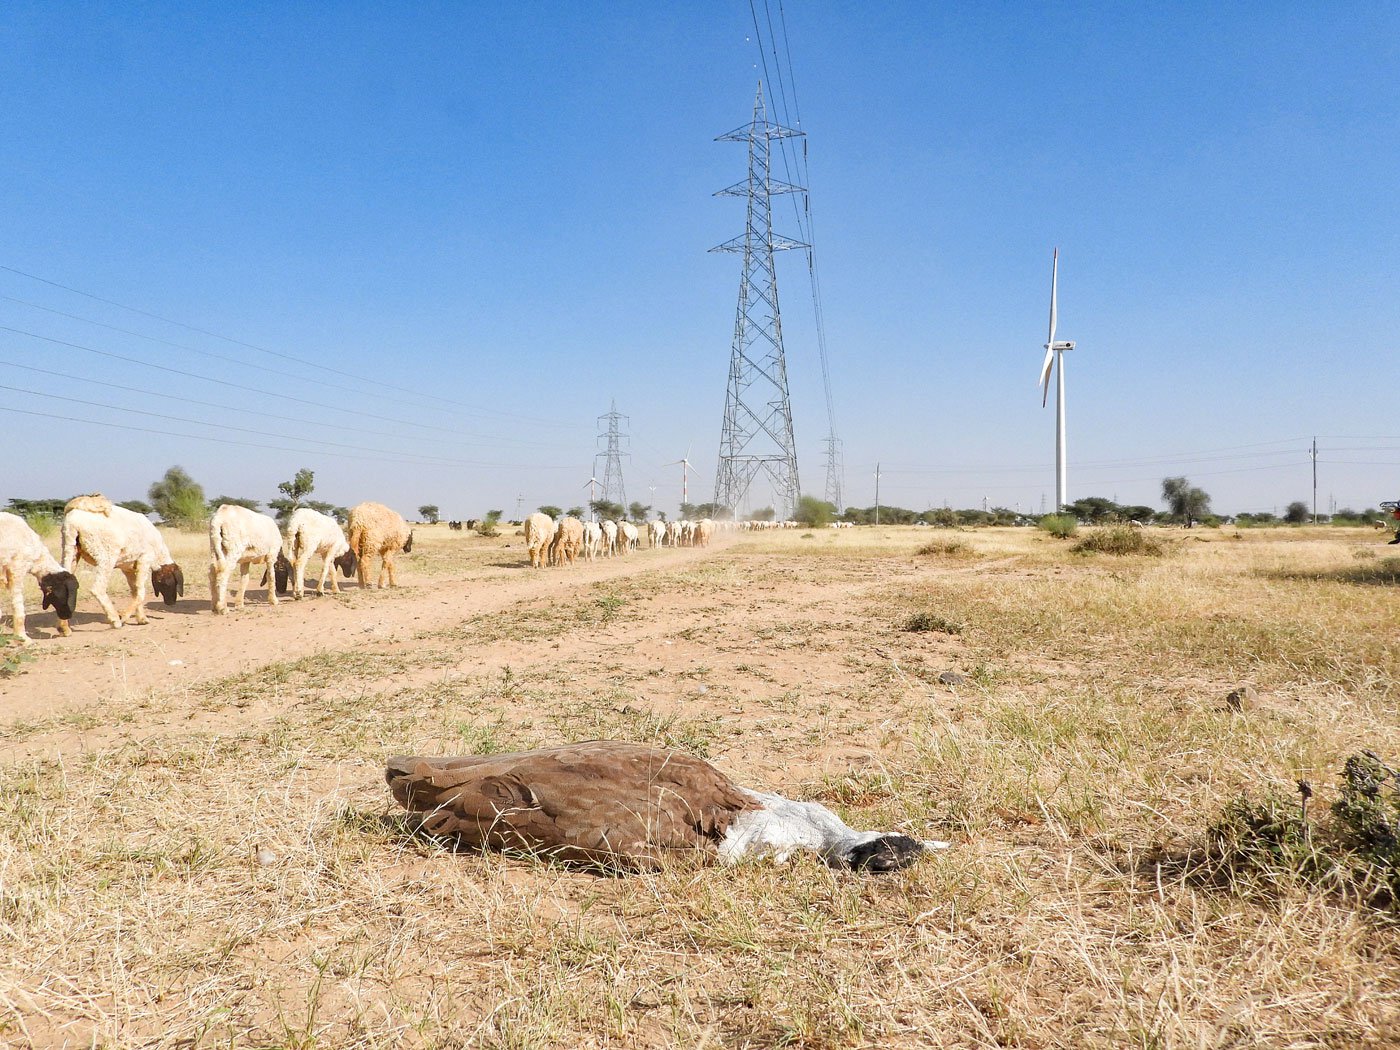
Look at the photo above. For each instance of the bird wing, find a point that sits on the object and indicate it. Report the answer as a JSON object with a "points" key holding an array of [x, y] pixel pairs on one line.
{"points": [[600, 802]]}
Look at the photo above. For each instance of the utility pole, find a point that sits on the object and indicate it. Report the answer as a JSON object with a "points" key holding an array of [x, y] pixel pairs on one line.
{"points": [[756, 436], [613, 490], [519, 506], [877, 493], [1314, 461]]}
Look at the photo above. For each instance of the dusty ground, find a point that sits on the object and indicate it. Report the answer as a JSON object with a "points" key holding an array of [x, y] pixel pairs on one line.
{"points": [[144, 771]]}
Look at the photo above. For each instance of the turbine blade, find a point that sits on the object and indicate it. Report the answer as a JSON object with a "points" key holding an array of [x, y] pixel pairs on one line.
{"points": [[1054, 281], [1045, 376]]}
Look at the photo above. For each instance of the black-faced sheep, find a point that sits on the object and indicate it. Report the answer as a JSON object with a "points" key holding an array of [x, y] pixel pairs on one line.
{"points": [[241, 538], [313, 534], [110, 537], [22, 553]]}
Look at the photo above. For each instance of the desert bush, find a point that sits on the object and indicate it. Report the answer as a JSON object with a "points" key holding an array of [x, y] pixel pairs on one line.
{"points": [[1119, 539], [489, 525], [1274, 840], [1059, 525], [927, 621], [946, 549]]}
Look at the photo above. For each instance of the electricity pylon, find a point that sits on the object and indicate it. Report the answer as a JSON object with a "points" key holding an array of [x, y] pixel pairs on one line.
{"points": [[613, 491], [757, 431]]}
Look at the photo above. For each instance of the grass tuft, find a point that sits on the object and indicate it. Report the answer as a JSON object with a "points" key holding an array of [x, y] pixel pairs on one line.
{"points": [[920, 622], [1120, 540]]}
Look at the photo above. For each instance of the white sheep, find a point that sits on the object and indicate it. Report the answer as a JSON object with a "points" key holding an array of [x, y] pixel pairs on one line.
{"points": [[568, 541], [704, 529], [656, 532], [110, 537], [673, 534], [313, 534], [241, 538], [22, 553], [626, 537], [592, 540], [539, 533], [373, 529], [609, 538]]}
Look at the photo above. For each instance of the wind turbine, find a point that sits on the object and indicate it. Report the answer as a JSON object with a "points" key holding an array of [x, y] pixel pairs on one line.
{"points": [[592, 486], [684, 464], [1055, 358]]}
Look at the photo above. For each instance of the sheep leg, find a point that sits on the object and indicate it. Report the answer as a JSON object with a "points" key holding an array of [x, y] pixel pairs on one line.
{"points": [[218, 587], [15, 582], [135, 612], [272, 598], [243, 568], [299, 574], [388, 566], [326, 565]]}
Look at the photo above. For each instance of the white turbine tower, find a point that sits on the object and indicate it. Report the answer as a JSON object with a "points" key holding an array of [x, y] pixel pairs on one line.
{"points": [[1055, 358], [684, 464], [592, 486]]}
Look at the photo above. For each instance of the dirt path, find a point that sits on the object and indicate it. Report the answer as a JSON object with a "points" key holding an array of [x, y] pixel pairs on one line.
{"points": [[186, 644]]}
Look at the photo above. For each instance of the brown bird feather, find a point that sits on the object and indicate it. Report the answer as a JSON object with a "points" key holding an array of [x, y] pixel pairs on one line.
{"points": [[604, 803]]}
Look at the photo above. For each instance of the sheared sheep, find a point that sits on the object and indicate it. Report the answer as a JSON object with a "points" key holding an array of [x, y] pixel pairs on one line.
{"points": [[22, 553], [110, 537], [539, 533], [311, 533], [626, 537], [240, 538], [375, 530], [592, 540], [568, 542], [673, 534], [656, 533], [609, 538]]}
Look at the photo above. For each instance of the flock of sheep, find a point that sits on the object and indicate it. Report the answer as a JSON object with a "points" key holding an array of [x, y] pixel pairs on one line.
{"points": [[559, 543], [108, 537]]}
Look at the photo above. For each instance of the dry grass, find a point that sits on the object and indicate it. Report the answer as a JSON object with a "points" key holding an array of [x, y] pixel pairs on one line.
{"points": [[1087, 749]]}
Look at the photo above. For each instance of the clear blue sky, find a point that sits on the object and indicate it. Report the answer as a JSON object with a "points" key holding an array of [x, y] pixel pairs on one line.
{"points": [[503, 215]]}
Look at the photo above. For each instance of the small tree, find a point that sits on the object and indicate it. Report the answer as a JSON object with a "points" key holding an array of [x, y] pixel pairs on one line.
{"points": [[1296, 513], [179, 499], [764, 514], [638, 511], [574, 512], [489, 525], [550, 511], [429, 513], [1188, 505], [688, 510], [607, 510], [812, 511], [218, 501], [294, 494]]}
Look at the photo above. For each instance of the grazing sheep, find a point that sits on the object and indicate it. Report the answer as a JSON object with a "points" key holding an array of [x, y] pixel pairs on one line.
{"points": [[311, 533], [110, 537], [539, 532], [609, 538], [22, 553], [241, 538], [656, 532], [568, 542], [376, 531], [592, 540]]}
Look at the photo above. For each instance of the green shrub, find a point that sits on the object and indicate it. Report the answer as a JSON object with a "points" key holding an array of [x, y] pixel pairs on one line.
{"points": [[1061, 526], [42, 522], [1119, 539], [926, 621], [946, 549]]}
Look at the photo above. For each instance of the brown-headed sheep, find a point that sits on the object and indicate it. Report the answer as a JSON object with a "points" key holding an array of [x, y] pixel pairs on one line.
{"points": [[313, 534], [110, 537], [241, 538]]}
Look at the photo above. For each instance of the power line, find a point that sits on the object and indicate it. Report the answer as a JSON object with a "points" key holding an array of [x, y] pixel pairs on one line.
{"points": [[233, 441], [377, 382], [166, 396]]}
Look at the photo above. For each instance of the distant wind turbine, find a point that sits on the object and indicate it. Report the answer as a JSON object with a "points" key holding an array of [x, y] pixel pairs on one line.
{"points": [[1055, 358], [684, 464], [592, 486]]}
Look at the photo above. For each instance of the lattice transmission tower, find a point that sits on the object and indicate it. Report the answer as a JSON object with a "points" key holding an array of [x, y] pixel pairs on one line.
{"points": [[757, 433], [612, 454]]}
